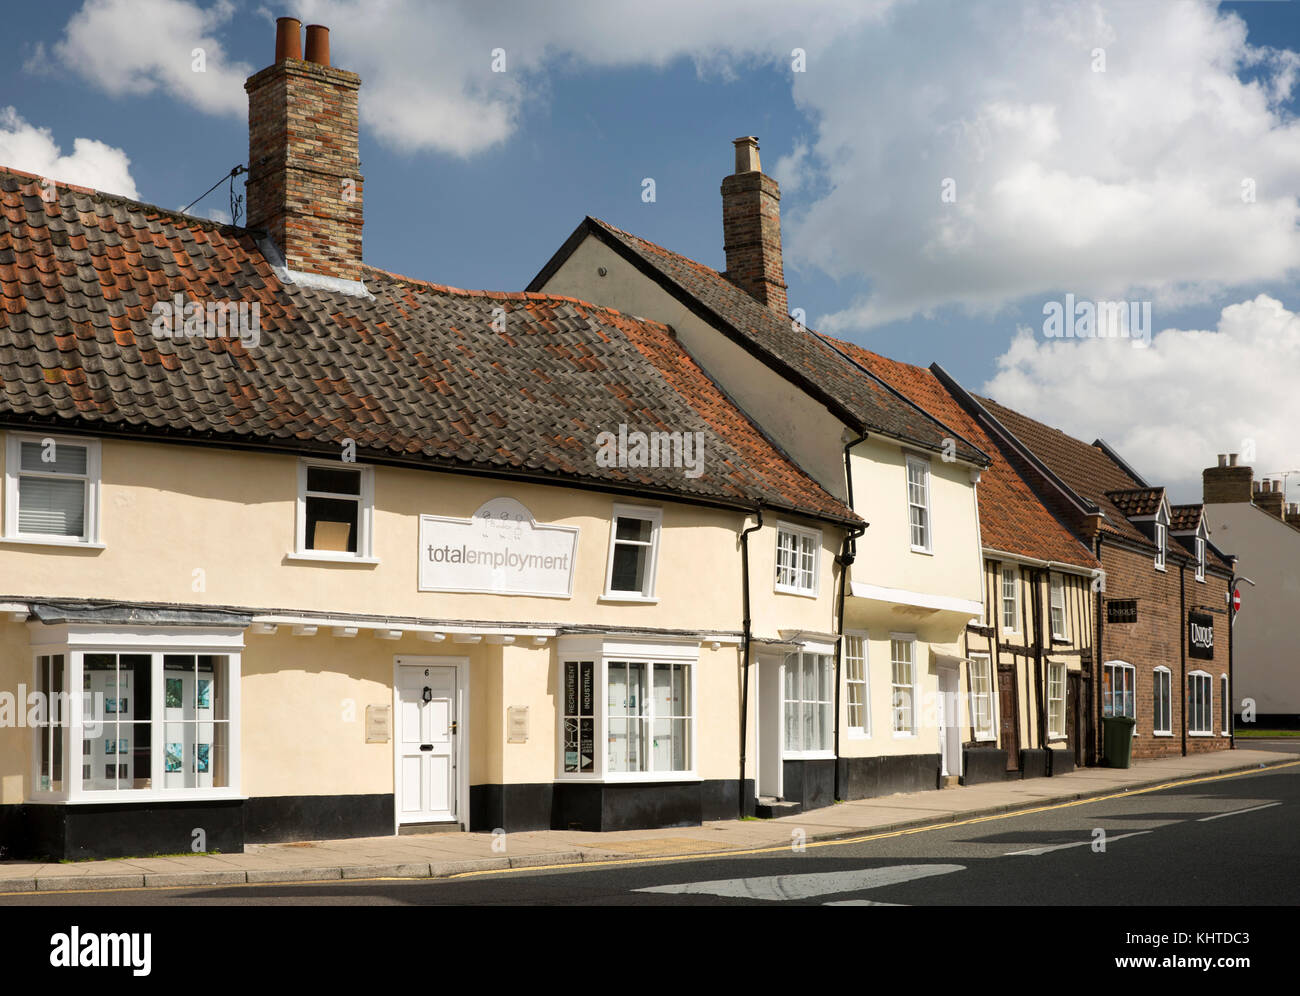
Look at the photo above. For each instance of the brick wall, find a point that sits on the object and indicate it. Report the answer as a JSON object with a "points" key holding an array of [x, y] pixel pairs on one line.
{"points": [[751, 229], [304, 169], [1157, 639]]}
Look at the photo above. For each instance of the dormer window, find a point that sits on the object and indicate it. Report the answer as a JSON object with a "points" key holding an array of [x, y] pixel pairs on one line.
{"points": [[1162, 538], [1200, 558]]}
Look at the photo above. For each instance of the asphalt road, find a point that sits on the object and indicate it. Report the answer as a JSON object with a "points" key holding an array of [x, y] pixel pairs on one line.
{"points": [[1229, 841]]}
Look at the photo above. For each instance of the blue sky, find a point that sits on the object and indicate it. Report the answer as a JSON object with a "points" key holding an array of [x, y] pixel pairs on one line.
{"points": [[1119, 184]]}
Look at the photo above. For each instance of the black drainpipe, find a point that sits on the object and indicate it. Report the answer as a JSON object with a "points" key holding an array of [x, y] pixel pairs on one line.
{"points": [[1040, 691], [1094, 734], [1182, 644], [744, 688], [845, 561]]}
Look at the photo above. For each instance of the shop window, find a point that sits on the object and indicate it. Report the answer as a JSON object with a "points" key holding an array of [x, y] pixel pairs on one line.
{"points": [[902, 653], [981, 698], [797, 559], [1055, 699], [1010, 598], [918, 503], [633, 553], [1162, 702], [1200, 711], [147, 724], [856, 683], [645, 718], [334, 511], [1117, 682], [1059, 628], [51, 489]]}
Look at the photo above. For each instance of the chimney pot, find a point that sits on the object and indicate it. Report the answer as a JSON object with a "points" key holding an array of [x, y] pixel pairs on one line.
{"points": [[747, 154], [288, 38], [318, 44], [1232, 459], [1223, 459]]}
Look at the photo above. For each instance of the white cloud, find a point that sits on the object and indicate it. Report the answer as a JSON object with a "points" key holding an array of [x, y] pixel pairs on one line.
{"points": [[791, 170], [1120, 183], [26, 147], [131, 47], [1170, 408]]}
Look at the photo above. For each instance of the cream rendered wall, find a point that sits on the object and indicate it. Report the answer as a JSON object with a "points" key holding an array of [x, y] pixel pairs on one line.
{"points": [[801, 425], [1265, 664], [169, 510], [15, 741], [885, 556]]}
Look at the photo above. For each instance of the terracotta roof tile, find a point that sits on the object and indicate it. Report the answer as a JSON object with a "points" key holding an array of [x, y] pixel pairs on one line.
{"points": [[417, 370]]}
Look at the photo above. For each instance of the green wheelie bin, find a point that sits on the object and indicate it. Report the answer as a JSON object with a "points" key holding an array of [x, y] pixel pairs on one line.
{"points": [[1117, 740]]}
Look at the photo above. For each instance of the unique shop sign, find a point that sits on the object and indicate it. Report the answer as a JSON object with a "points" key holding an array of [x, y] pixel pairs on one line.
{"points": [[1122, 610], [1200, 635], [500, 550]]}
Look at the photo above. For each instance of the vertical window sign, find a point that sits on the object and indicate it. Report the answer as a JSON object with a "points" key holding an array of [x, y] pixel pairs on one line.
{"points": [[579, 717], [1200, 636]]}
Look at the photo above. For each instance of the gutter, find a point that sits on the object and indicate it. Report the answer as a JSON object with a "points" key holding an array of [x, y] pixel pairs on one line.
{"points": [[1094, 720], [747, 639], [845, 561]]}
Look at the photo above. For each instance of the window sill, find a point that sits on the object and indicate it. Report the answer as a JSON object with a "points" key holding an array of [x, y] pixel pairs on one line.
{"points": [[1161, 568], [616, 597], [142, 796], [905, 735], [923, 550], [68, 544], [1201, 733], [329, 558], [780, 590], [1162, 733], [986, 738], [808, 755], [625, 777]]}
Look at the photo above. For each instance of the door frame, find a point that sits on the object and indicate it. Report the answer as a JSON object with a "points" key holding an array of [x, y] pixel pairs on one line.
{"points": [[461, 718], [949, 731], [769, 728]]}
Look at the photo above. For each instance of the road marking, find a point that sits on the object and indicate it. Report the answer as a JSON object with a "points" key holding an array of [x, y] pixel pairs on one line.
{"points": [[1077, 843], [860, 902], [788, 888], [1238, 812]]}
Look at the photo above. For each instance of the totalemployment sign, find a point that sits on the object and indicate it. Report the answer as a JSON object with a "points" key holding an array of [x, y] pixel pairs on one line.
{"points": [[500, 549]]}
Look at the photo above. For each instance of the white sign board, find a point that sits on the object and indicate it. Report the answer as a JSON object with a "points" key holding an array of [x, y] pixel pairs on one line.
{"points": [[500, 550]]}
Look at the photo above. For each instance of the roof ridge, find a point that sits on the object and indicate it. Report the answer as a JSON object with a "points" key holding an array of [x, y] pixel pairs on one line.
{"points": [[512, 296], [122, 199]]}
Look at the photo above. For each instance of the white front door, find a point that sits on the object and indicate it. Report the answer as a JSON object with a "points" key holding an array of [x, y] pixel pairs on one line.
{"points": [[425, 738], [949, 728]]}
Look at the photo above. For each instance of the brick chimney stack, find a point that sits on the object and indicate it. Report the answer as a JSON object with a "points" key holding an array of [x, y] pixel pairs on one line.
{"points": [[1227, 482], [304, 168], [1269, 497], [1292, 517], [751, 229]]}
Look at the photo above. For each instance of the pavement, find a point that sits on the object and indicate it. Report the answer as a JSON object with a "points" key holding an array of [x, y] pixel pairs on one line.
{"points": [[441, 855]]}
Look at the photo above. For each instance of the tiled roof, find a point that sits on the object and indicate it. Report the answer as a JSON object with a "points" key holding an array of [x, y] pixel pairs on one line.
{"points": [[1092, 474], [1185, 518], [1137, 502], [799, 352], [1012, 519], [415, 372]]}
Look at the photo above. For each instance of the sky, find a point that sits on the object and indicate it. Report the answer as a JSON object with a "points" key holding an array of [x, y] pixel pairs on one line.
{"points": [[953, 174]]}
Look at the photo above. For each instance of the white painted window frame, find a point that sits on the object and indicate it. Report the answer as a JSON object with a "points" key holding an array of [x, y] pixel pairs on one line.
{"points": [[863, 731], [1225, 710], [924, 464], [912, 732], [991, 732], [365, 514], [90, 537], [1123, 667], [1057, 586], [74, 642], [1052, 668], [1014, 569], [1162, 540], [655, 516], [1191, 710], [827, 655], [602, 651], [1200, 559], [800, 533], [1162, 725]]}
